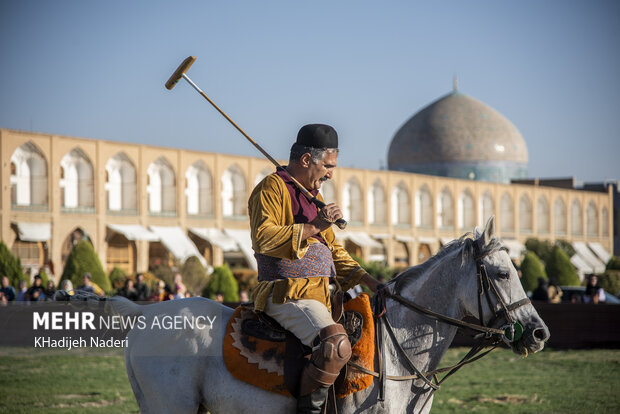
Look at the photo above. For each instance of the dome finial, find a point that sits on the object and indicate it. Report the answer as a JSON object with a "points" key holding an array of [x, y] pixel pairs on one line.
{"points": [[455, 81]]}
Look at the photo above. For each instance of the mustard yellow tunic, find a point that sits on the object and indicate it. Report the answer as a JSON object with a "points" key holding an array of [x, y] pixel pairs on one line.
{"points": [[274, 233]]}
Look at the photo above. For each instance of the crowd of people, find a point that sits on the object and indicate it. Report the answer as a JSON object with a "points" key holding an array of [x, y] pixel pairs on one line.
{"points": [[137, 290]]}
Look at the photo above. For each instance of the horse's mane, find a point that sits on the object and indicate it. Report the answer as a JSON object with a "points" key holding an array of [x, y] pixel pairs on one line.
{"points": [[465, 244]]}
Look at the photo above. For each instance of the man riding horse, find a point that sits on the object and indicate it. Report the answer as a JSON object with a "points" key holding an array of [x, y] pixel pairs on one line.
{"points": [[298, 256]]}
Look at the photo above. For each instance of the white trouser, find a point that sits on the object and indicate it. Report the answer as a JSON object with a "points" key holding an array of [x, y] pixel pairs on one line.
{"points": [[304, 318]]}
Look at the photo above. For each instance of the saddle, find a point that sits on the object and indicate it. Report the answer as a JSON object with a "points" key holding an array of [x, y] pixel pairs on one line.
{"points": [[257, 350]]}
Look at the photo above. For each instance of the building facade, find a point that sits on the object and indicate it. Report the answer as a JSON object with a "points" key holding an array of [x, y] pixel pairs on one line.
{"points": [[142, 205]]}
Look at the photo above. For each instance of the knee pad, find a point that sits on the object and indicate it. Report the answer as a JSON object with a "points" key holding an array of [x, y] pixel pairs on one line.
{"points": [[328, 358]]}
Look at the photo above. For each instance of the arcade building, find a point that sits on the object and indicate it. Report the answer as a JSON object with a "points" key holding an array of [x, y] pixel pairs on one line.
{"points": [[451, 166]]}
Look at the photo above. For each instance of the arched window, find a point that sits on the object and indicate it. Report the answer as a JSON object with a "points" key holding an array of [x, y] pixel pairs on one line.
{"points": [[199, 191], [591, 220], [29, 177], [328, 191], [400, 205], [377, 204], [234, 200], [445, 209], [121, 183], [542, 215], [486, 208], [605, 222], [352, 201], [262, 174], [76, 183], [575, 218], [161, 188], [506, 212], [466, 211], [559, 217], [525, 214], [424, 208]]}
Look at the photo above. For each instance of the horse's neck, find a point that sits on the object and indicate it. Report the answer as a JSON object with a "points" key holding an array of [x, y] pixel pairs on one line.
{"points": [[426, 340]]}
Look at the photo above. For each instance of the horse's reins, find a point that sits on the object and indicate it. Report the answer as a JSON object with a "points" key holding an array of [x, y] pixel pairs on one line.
{"points": [[487, 333]]}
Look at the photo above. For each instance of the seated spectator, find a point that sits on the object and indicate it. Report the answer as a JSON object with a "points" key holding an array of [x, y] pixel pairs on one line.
{"points": [[179, 287], [219, 297], [142, 289], [67, 286], [594, 293], [35, 292], [50, 290], [8, 291], [128, 290], [243, 296], [86, 285], [541, 292], [21, 291], [555, 293], [162, 293]]}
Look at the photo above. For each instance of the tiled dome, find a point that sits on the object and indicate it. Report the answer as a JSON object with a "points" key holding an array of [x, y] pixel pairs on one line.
{"points": [[459, 136]]}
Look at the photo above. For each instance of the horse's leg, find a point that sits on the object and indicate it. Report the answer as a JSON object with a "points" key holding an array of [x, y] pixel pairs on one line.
{"points": [[135, 386]]}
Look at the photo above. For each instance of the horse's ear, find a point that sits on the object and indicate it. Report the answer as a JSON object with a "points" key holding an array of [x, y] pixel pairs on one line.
{"points": [[489, 231], [477, 232]]}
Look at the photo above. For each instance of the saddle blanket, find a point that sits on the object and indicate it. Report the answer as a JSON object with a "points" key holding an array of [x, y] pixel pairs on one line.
{"points": [[260, 361]]}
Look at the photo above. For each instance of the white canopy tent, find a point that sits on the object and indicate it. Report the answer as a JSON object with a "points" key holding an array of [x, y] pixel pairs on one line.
{"points": [[34, 232], [581, 266], [361, 239], [217, 238], [515, 247], [244, 241], [134, 232], [178, 243], [593, 262], [600, 251]]}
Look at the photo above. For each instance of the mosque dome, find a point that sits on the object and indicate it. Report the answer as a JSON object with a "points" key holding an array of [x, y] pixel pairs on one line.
{"points": [[458, 136]]}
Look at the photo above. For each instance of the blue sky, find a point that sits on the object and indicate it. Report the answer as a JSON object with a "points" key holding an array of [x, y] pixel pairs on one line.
{"points": [[97, 69]]}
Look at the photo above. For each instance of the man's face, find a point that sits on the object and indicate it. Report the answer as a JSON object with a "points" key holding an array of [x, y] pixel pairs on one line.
{"points": [[5, 281], [318, 173]]}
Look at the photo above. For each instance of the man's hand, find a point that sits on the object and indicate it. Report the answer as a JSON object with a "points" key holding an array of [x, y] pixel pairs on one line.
{"points": [[327, 216], [370, 281]]}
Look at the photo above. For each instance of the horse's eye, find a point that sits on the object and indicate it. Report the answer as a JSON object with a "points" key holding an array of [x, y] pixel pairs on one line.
{"points": [[503, 275]]}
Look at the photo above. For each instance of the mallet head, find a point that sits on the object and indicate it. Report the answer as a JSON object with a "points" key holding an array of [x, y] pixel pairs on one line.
{"points": [[178, 74]]}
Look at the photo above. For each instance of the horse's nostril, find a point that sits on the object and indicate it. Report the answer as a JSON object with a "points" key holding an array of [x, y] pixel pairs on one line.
{"points": [[540, 334]]}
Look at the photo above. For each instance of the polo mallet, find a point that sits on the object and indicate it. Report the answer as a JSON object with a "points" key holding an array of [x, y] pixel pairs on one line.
{"points": [[180, 73]]}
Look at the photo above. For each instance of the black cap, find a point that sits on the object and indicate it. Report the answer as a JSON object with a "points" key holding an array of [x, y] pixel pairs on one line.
{"points": [[317, 136]]}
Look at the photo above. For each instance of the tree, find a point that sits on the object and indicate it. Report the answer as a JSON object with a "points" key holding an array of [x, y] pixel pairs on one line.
{"points": [[566, 246], [610, 281], [11, 266], [532, 269], [559, 268], [194, 275], [117, 277], [613, 263], [222, 280], [541, 248], [83, 259]]}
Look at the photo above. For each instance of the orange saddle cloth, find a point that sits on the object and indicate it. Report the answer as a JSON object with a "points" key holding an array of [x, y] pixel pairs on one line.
{"points": [[260, 362]]}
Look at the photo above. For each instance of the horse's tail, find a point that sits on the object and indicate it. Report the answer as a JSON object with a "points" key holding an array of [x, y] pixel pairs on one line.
{"points": [[117, 304]]}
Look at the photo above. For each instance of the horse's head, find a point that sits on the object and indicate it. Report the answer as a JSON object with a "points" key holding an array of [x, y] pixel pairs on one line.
{"points": [[506, 305]]}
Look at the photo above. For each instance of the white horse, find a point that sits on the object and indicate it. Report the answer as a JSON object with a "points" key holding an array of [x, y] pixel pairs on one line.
{"points": [[182, 371]]}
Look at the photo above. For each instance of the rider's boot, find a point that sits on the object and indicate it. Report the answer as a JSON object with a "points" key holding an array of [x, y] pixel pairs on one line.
{"points": [[328, 358], [312, 403]]}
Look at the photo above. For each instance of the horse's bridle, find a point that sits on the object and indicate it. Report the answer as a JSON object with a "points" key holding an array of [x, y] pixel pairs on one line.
{"points": [[510, 332]]}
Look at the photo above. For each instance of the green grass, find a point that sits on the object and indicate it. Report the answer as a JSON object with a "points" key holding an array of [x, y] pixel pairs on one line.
{"points": [[547, 382], [87, 381], [64, 382]]}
